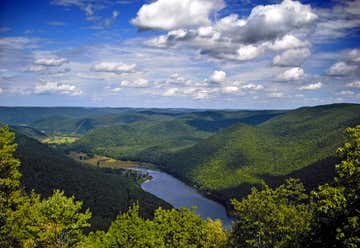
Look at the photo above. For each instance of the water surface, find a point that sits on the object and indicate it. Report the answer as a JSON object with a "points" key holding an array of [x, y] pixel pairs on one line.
{"points": [[178, 194]]}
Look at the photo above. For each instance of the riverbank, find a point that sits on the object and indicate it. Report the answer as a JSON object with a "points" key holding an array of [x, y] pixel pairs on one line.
{"points": [[179, 194], [107, 162]]}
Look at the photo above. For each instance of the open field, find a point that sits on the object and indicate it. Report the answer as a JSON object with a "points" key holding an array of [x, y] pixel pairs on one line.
{"points": [[59, 140]]}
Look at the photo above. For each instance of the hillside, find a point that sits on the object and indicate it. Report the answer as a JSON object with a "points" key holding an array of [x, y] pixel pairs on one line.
{"points": [[245, 155], [106, 193], [27, 115], [152, 135]]}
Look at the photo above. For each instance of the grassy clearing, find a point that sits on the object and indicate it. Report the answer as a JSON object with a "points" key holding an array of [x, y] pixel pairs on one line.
{"points": [[106, 162], [60, 140]]}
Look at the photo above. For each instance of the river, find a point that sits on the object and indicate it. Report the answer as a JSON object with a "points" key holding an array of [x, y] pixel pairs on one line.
{"points": [[178, 194]]}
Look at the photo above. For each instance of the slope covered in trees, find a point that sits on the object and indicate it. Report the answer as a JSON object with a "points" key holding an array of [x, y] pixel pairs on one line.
{"points": [[245, 155], [105, 193], [154, 134], [282, 217]]}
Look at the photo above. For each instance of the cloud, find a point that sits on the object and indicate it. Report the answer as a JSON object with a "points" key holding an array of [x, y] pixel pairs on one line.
{"points": [[230, 89], [140, 82], [272, 21], [292, 57], [18, 42], [1, 90], [178, 80], [195, 93], [355, 84], [57, 88], [248, 52], [295, 73], [267, 28], [50, 61], [115, 14], [341, 69], [114, 67], [218, 77], [338, 21], [118, 89], [252, 86], [167, 15], [36, 68], [314, 86], [88, 6], [287, 42], [91, 9], [346, 93], [171, 92], [276, 94], [353, 55]]}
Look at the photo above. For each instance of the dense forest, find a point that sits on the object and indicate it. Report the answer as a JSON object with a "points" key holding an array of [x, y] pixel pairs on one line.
{"points": [[105, 192], [244, 159], [285, 216]]}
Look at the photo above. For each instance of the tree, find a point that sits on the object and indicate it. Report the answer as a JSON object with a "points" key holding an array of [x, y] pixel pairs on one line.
{"points": [[337, 206], [169, 228], [28, 221], [11, 196], [272, 217], [53, 222]]}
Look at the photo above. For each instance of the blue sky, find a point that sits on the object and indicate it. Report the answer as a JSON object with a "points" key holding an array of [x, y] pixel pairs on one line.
{"points": [[179, 53]]}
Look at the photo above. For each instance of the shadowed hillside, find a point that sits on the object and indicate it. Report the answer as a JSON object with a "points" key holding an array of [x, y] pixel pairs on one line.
{"points": [[106, 193]]}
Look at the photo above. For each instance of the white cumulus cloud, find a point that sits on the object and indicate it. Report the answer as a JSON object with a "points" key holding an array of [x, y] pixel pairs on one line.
{"points": [[114, 67], [139, 82], [295, 73], [354, 55], [167, 15], [355, 84], [267, 22], [57, 88], [287, 42], [267, 28], [292, 57], [314, 86], [52, 61], [218, 77], [341, 69], [252, 86]]}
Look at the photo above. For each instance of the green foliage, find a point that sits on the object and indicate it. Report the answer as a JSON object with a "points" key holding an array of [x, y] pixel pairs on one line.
{"points": [[337, 206], [243, 154], [168, 228], [103, 192], [10, 194], [272, 217], [28, 221], [54, 222], [9, 174]]}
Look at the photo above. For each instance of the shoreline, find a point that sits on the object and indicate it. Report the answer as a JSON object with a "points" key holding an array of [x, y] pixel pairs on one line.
{"points": [[114, 163]]}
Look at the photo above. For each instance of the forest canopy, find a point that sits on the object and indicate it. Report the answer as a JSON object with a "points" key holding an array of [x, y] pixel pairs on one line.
{"points": [[285, 216]]}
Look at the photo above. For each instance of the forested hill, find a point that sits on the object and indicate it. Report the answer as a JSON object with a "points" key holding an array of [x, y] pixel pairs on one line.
{"points": [[235, 158], [150, 135], [106, 193], [222, 151]]}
